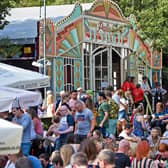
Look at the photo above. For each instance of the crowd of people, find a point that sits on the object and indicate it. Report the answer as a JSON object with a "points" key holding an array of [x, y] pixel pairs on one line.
{"points": [[113, 131]]}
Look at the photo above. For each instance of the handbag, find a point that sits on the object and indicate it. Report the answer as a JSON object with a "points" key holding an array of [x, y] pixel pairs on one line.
{"points": [[33, 134]]}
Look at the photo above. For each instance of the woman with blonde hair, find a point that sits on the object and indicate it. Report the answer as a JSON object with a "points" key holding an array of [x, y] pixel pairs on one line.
{"points": [[139, 126], [66, 152]]}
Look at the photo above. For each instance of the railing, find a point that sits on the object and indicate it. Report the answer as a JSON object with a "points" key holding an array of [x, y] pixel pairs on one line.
{"points": [[148, 106]]}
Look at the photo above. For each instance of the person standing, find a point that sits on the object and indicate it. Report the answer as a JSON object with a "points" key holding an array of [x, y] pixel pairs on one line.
{"points": [[84, 121], [113, 114], [26, 122], [145, 86], [73, 100], [138, 95], [66, 126], [158, 92], [147, 91], [126, 86], [103, 113]]}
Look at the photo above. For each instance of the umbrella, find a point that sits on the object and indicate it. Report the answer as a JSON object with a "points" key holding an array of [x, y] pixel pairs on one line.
{"points": [[25, 98], [20, 78], [11, 136]]}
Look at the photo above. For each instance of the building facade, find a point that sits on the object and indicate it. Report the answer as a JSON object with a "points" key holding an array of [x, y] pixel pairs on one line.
{"points": [[97, 47]]}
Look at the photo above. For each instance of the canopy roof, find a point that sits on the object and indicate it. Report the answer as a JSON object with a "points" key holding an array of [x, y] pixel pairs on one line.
{"points": [[24, 98], [22, 27], [11, 135], [20, 78]]}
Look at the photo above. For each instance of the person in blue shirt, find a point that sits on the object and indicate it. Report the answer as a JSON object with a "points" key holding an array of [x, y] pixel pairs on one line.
{"points": [[66, 126], [25, 121]]}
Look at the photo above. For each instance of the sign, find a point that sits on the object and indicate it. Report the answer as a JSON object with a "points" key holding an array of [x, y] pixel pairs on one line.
{"points": [[27, 50], [106, 33], [104, 84]]}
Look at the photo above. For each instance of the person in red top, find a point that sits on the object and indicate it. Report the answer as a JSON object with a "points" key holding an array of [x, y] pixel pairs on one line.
{"points": [[138, 95], [126, 85], [132, 83], [38, 127]]}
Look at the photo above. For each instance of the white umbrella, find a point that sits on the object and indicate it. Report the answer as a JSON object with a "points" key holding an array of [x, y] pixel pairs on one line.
{"points": [[20, 78], [24, 97], [11, 135]]}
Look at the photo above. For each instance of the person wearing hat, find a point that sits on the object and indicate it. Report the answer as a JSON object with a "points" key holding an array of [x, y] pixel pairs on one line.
{"points": [[89, 94], [26, 122], [103, 113], [59, 99], [80, 92], [158, 92]]}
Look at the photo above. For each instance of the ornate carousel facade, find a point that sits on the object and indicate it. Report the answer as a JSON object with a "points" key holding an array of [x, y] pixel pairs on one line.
{"points": [[96, 48]]}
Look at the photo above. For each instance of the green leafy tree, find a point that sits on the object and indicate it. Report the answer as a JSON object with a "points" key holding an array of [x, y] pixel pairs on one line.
{"points": [[8, 49], [151, 15], [152, 18], [5, 6]]}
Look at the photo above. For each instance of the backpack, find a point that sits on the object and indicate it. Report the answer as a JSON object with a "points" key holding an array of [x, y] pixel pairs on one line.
{"points": [[114, 108]]}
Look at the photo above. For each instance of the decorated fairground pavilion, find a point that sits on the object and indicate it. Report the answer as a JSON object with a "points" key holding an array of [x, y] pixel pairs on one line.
{"points": [[97, 47]]}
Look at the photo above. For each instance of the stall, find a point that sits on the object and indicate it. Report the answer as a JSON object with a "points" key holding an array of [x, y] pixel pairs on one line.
{"points": [[20, 78], [11, 135], [25, 98]]}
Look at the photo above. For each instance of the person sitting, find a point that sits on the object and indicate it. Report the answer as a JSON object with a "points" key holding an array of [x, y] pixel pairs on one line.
{"points": [[71, 139], [97, 135], [154, 139], [50, 135], [56, 159], [106, 159], [127, 133], [66, 152], [121, 156], [23, 162], [45, 160], [165, 136], [162, 155], [142, 160], [138, 122], [159, 117], [89, 148], [79, 160]]}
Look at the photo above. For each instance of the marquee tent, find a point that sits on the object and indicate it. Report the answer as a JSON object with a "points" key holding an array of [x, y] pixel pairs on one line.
{"points": [[25, 98], [20, 78], [11, 135]]}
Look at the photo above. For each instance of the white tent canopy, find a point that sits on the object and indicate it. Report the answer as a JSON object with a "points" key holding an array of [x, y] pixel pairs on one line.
{"points": [[25, 98], [11, 135], [20, 78]]}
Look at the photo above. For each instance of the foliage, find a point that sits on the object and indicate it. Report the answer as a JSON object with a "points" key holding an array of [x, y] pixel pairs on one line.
{"points": [[151, 15], [4, 10], [8, 49]]}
